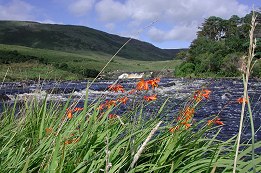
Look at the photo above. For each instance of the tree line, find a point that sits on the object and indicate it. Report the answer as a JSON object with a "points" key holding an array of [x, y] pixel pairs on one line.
{"points": [[13, 56], [219, 47]]}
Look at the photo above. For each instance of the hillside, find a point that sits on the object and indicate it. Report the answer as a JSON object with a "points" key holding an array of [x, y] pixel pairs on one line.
{"points": [[82, 39], [22, 63]]}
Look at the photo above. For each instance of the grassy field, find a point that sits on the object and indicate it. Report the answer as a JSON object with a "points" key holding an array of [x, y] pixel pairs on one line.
{"points": [[82, 60]]}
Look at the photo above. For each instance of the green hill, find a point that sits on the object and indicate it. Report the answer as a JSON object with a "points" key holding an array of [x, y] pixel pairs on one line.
{"points": [[78, 39], [22, 63]]}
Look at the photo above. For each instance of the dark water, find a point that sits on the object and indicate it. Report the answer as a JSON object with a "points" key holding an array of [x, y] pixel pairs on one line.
{"points": [[222, 100]]}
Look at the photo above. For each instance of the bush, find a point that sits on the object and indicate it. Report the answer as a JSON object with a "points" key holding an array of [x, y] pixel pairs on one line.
{"points": [[63, 66], [256, 72], [90, 72], [185, 69], [230, 64]]}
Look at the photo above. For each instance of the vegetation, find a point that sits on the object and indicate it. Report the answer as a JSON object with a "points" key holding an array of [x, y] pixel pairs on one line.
{"points": [[75, 39], [75, 65], [219, 47], [50, 137]]}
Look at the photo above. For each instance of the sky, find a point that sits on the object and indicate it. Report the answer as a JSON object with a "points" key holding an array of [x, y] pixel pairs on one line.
{"points": [[167, 24]]}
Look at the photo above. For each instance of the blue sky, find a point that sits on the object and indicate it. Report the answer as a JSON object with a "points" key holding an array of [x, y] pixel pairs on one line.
{"points": [[164, 23]]}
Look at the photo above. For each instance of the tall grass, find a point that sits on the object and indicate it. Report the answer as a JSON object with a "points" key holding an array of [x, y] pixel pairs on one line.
{"points": [[41, 137], [247, 66]]}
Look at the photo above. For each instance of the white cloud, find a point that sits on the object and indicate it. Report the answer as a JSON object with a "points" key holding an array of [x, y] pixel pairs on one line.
{"points": [[49, 21], [110, 26], [180, 32], [184, 16], [81, 7], [16, 10], [110, 10]]}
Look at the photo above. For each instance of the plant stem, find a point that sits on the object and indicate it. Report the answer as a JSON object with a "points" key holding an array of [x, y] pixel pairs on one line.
{"points": [[250, 57]]}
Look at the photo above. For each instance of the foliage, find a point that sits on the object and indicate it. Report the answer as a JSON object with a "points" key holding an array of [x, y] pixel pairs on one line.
{"points": [[13, 56], [185, 68], [219, 45]]}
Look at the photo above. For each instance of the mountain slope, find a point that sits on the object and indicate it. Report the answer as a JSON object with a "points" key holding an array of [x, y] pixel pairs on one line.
{"points": [[71, 38]]}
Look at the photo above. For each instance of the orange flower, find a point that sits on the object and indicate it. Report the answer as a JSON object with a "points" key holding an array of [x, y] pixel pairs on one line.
{"points": [[198, 95], [241, 100], [188, 112], [154, 82], [101, 107], [75, 140], [111, 116], [132, 91], [123, 100], [77, 109], [173, 129], [150, 98], [215, 121], [48, 130], [210, 122], [142, 85], [69, 114], [116, 88], [179, 118], [205, 93], [219, 122], [187, 126], [110, 103]]}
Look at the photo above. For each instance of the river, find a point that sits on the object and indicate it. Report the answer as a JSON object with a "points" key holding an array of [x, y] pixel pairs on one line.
{"points": [[222, 100]]}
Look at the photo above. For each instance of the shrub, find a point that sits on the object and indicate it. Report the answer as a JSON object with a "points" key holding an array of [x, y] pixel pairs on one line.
{"points": [[185, 69]]}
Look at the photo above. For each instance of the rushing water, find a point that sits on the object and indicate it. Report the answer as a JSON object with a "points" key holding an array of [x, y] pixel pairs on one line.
{"points": [[222, 100]]}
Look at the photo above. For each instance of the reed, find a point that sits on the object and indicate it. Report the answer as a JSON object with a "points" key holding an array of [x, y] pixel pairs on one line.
{"points": [[248, 65]]}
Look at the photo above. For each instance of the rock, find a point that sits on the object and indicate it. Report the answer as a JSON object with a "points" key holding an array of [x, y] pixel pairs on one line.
{"points": [[4, 97], [131, 76], [60, 90]]}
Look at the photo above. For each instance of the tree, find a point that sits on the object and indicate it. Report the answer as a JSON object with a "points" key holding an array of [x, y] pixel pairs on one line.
{"points": [[213, 28]]}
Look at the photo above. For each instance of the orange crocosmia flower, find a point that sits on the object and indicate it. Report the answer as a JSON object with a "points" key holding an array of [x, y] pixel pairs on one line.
{"points": [[241, 100], [188, 112], [187, 126], [123, 100], [205, 93], [110, 103], [219, 122], [77, 109], [48, 130], [154, 82], [101, 107], [75, 140], [132, 91], [210, 122], [116, 88], [69, 114], [173, 129], [198, 96], [142, 85], [111, 116], [179, 118], [150, 98], [215, 121]]}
